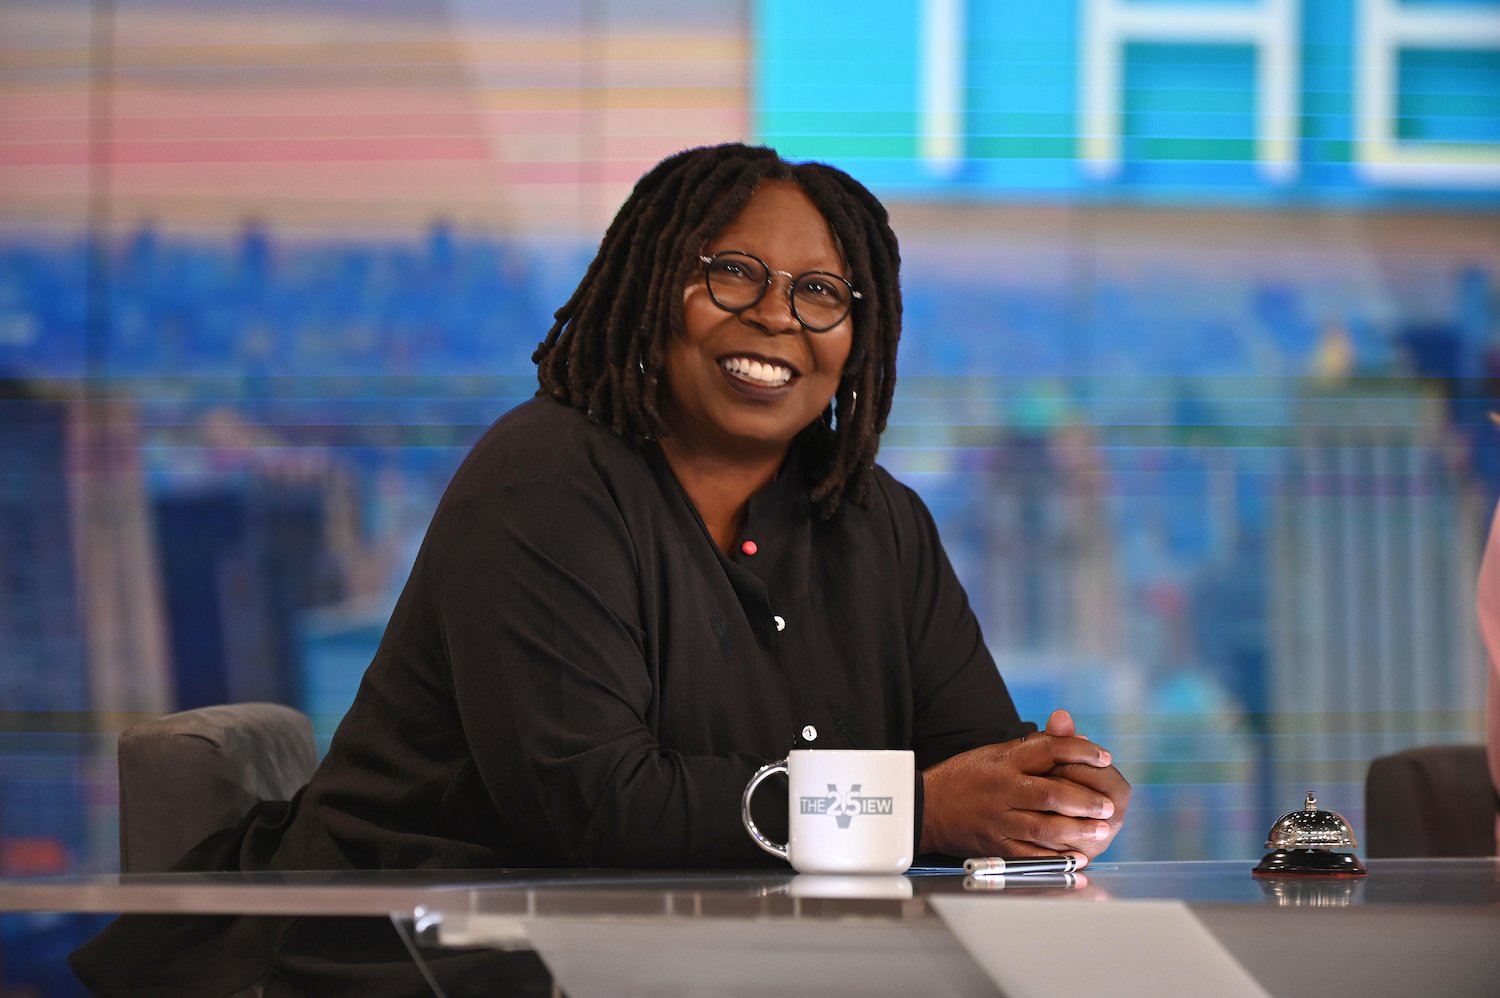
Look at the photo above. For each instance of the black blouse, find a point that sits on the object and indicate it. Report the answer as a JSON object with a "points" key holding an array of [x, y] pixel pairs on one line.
{"points": [[575, 674]]}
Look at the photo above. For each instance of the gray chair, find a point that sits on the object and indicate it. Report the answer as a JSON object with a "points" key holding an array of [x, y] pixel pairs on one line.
{"points": [[185, 776], [1437, 800]]}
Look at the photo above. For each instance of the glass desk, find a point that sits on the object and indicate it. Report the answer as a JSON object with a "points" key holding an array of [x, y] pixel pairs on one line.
{"points": [[1410, 927]]}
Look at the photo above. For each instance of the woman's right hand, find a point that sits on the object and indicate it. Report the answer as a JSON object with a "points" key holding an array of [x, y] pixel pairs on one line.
{"points": [[1046, 794]]}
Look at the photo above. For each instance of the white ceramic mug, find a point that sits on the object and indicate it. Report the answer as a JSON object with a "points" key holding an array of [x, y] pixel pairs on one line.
{"points": [[848, 810]]}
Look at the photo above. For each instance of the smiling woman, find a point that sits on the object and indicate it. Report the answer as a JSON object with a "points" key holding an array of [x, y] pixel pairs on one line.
{"points": [[643, 584], [697, 219], [743, 383]]}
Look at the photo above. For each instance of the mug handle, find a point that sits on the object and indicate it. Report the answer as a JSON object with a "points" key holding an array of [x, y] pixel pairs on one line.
{"points": [[774, 848]]}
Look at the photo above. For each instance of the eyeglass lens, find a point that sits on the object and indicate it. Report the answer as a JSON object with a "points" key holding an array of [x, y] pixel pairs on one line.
{"points": [[737, 281]]}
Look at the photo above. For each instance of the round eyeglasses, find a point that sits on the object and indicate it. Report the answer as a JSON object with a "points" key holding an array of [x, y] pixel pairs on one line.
{"points": [[736, 281]]}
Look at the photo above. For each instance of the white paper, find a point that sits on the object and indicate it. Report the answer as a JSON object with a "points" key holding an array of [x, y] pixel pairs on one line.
{"points": [[1044, 947], [761, 958]]}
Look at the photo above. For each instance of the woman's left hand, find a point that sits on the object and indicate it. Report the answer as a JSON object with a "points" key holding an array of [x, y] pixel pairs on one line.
{"points": [[1048, 794], [1106, 780]]}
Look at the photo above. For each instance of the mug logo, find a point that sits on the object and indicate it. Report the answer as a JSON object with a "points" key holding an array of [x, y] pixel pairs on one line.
{"points": [[844, 806]]}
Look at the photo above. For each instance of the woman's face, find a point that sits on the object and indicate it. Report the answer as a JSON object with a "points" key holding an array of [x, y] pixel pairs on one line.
{"points": [[746, 383]]}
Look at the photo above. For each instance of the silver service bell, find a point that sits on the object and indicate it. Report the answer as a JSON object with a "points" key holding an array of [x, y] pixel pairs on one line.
{"points": [[1305, 843]]}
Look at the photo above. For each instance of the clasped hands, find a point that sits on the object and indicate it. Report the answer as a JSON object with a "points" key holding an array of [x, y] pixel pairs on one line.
{"points": [[1051, 793]]}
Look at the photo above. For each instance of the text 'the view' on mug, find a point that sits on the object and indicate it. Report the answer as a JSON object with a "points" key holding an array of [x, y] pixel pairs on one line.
{"points": [[848, 810]]}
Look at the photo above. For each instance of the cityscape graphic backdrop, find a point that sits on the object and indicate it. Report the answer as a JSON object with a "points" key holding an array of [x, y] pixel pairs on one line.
{"points": [[1199, 395]]}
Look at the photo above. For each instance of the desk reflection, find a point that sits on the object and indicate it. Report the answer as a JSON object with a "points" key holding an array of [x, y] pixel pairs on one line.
{"points": [[1312, 892], [817, 885], [289, 957], [1412, 926]]}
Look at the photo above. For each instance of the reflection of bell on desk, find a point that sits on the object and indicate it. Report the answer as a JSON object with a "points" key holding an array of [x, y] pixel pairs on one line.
{"points": [[1311, 892], [1302, 843]]}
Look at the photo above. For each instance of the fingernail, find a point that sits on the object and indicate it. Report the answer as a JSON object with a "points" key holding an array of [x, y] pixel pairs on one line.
{"points": [[1107, 809], [1101, 831], [1105, 758]]}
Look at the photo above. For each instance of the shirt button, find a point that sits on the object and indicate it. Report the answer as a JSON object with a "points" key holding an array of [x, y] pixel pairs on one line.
{"points": [[780, 623], [749, 547]]}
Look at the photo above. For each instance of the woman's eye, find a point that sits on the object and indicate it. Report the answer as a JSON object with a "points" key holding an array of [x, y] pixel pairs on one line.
{"points": [[732, 270]]}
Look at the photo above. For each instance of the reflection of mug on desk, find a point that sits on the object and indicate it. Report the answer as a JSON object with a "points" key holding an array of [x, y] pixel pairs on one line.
{"points": [[860, 887], [848, 810]]}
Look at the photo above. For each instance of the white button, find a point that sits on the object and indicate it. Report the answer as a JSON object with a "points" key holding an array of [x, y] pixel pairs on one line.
{"points": [[780, 623], [809, 733]]}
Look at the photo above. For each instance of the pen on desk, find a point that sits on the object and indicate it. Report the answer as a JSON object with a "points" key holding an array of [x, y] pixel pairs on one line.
{"points": [[994, 866]]}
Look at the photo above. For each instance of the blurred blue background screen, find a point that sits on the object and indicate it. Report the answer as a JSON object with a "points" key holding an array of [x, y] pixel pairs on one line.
{"points": [[1202, 339]]}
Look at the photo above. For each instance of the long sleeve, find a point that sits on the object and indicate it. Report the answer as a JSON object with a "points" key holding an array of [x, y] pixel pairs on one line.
{"points": [[542, 609]]}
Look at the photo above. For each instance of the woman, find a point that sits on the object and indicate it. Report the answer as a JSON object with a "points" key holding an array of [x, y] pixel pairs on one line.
{"points": [[641, 585], [646, 582], [1489, 628]]}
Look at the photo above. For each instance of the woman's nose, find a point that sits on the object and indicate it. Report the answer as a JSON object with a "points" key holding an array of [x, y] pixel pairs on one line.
{"points": [[774, 310]]}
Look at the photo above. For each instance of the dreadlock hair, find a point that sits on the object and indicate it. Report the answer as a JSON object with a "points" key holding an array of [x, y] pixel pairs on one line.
{"points": [[605, 351]]}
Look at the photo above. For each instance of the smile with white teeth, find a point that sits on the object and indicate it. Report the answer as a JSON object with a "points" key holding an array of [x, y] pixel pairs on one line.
{"points": [[757, 372]]}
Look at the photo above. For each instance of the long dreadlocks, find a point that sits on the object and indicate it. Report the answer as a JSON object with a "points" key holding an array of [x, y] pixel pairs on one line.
{"points": [[605, 351]]}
